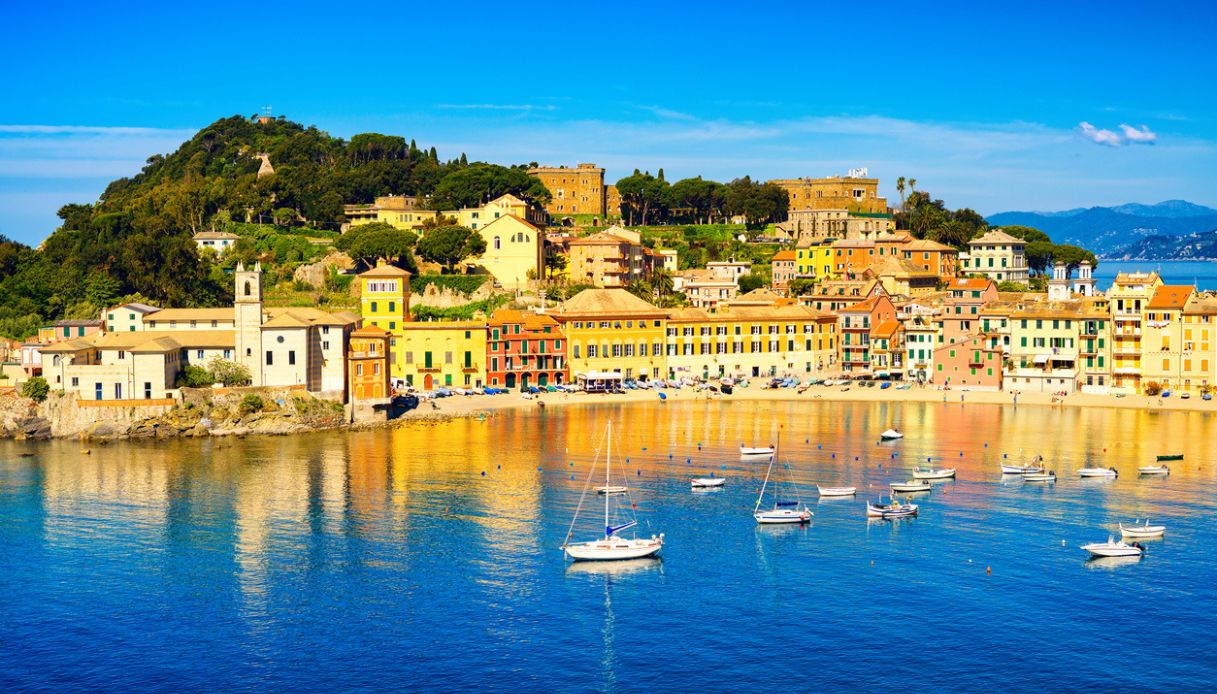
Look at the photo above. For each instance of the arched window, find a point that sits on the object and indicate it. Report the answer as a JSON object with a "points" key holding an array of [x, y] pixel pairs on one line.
{"points": [[247, 288], [497, 243]]}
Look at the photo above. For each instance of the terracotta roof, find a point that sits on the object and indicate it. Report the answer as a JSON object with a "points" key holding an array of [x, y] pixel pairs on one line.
{"points": [[734, 313], [385, 271], [997, 236], [529, 319], [185, 315], [314, 316], [66, 347], [971, 283], [525, 222], [887, 328], [928, 245], [1171, 296], [785, 255], [605, 302], [214, 236], [77, 323], [863, 306], [444, 325], [1202, 304], [370, 330]]}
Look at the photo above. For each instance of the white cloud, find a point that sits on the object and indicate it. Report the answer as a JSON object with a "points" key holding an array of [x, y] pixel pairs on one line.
{"points": [[667, 113], [1100, 136], [1139, 136]]}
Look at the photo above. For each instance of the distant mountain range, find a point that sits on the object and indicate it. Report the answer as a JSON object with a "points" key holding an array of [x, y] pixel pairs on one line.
{"points": [[1174, 229]]}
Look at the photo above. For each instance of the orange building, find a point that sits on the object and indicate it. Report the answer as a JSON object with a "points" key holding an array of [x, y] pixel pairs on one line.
{"points": [[783, 269], [933, 257], [368, 362]]}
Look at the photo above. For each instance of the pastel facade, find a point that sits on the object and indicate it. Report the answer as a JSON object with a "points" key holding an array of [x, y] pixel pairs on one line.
{"points": [[128, 317], [69, 328], [514, 251], [368, 365], [579, 190], [855, 194], [1128, 298], [970, 363], [216, 241], [1163, 345], [443, 354], [611, 258], [525, 349], [613, 330], [783, 269], [931, 256], [998, 256], [856, 325], [750, 341]]}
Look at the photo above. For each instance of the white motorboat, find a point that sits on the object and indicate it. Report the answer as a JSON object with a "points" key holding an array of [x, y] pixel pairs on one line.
{"points": [[707, 482], [911, 486], [1142, 530], [1109, 472], [1159, 469], [611, 546], [891, 435], [751, 451], [895, 509], [837, 491], [1112, 548], [930, 473], [1034, 467], [1040, 477], [612, 489], [783, 510]]}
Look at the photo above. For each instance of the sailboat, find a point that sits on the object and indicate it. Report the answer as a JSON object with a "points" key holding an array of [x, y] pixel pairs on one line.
{"points": [[782, 511], [611, 546]]}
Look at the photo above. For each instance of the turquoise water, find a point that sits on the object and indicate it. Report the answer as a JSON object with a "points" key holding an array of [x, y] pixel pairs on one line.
{"points": [[1200, 273], [425, 558]]}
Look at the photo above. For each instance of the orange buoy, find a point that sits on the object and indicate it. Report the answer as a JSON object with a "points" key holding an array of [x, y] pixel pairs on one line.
{"points": [[989, 570]]}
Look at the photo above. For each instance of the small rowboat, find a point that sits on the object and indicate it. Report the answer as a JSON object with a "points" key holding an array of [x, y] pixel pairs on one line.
{"points": [[1158, 469], [891, 435], [911, 486], [1166, 458], [1109, 472], [837, 491], [1144, 530], [1021, 469], [612, 489], [1040, 477], [748, 451], [933, 473], [1111, 548], [892, 510], [707, 482], [782, 515]]}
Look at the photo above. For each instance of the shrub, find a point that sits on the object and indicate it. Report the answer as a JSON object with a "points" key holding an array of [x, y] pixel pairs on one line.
{"points": [[228, 372], [1153, 388], [36, 389], [251, 403], [465, 284], [195, 377]]}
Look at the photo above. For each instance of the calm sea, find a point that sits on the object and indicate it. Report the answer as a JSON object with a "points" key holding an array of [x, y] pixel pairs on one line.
{"points": [[1200, 273], [425, 558]]}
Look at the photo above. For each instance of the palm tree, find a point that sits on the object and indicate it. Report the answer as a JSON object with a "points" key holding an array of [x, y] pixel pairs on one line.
{"points": [[662, 282], [913, 184], [900, 190]]}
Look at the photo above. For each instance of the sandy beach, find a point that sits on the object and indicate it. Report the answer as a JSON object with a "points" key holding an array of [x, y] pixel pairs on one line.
{"points": [[482, 405]]}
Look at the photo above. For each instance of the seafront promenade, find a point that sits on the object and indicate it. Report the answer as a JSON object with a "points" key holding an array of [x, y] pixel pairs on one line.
{"points": [[479, 405]]}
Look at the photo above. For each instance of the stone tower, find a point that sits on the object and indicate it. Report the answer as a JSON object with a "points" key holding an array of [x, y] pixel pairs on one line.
{"points": [[248, 318], [1085, 282]]}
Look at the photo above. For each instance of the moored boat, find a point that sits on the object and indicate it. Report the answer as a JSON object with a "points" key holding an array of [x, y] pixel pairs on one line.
{"points": [[707, 482], [1159, 469], [1143, 529], [612, 489], [837, 491], [1113, 548], [749, 451], [783, 511], [911, 486], [611, 546], [1109, 472], [1049, 476], [929, 473], [1035, 466], [895, 509], [1170, 457], [891, 435]]}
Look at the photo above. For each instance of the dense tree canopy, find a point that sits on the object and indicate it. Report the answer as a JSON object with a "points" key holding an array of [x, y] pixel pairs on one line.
{"points": [[368, 243], [450, 245], [479, 183]]}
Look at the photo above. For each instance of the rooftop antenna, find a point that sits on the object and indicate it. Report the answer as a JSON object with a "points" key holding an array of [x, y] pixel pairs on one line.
{"points": [[266, 111]]}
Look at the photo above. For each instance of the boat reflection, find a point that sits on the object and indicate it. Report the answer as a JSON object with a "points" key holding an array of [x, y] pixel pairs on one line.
{"points": [[1110, 563], [625, 567]]}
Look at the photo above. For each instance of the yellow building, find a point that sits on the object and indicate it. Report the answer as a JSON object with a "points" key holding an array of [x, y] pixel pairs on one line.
{"points": [[1200, 342], [573, 191], [1129, 295], [750, 341], [514, 251], [854, 193], [996, 255], [128, 317], [401, 212], [1060, 346], [613, 330], [611, 258], [436, 354], [1163, 345], [384, 302], [815, 261]]}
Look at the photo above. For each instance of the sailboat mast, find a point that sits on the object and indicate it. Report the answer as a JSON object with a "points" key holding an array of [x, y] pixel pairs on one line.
{"points": [[608, 462], [768, 471]]}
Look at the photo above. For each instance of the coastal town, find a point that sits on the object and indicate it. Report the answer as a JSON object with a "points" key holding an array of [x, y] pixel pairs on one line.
{"points": [[848, 297]]}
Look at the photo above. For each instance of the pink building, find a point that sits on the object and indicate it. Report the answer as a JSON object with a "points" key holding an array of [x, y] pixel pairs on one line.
{"points": [[961, 310], [969, 363]]}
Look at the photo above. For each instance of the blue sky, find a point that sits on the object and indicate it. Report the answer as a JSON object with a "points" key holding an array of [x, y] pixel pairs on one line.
{"points": [[1032, 106]]}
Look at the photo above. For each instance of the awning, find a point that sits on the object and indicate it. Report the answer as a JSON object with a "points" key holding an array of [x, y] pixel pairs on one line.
{"points": [[1041, 359], [1062, 357], [600, 375]]}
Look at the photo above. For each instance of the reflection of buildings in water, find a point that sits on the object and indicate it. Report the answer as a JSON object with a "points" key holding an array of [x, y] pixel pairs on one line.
{"points": [[120, 489]]}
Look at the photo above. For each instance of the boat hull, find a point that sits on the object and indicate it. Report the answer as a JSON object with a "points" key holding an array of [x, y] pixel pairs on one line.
{"points": [[1039, 477], [946, 474], [707, 482], [1108, 550], [1143, 531], [1154, 470], [1020, 470], [613, 549], [612, 489], [910, 488], [747, 452], [878, 512], [782, 516], [890, 435], [1097, 472], [837, 491]]}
